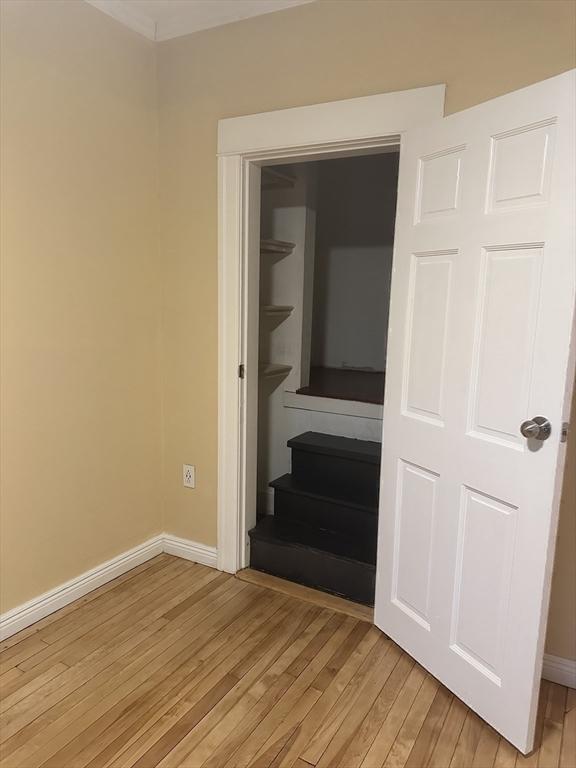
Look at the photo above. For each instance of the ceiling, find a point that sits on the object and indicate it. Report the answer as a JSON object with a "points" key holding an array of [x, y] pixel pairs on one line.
{"points": [[165, 19]]}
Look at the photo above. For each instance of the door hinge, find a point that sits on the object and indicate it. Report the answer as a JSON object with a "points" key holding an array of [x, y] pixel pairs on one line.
{"points": [[564, 433], [241, 371]]}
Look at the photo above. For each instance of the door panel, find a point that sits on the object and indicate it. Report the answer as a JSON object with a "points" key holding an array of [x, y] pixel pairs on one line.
{"points": [[439, 184], [429, 292], [480, 329], [504, 342], [413, 538], [483, 569], [521, 167]]}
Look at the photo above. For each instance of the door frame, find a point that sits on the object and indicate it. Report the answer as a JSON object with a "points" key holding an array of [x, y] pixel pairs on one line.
{"points": [[321, 131]]}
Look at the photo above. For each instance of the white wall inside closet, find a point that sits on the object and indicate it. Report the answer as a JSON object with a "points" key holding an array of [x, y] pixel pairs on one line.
{"points": [[334, 288], [354, 242]]}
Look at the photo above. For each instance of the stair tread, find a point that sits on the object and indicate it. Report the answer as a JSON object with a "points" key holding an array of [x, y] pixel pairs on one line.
{"points": [[291, 485], [334, 445], [361, 548]]}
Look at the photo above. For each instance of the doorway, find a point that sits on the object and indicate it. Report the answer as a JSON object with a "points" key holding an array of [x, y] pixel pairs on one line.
{"points": [[246, 145], [326, 243]]}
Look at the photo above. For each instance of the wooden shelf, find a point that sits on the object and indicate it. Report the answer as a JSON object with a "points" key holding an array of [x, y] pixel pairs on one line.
{"points": [[279, 247], [270, 370], [272, 179], [276, 310]]}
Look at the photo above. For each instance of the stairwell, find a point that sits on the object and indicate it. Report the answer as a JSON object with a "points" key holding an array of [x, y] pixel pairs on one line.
{"points": [[324, 528]]}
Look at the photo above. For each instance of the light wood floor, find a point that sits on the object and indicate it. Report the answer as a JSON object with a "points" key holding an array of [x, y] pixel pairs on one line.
{"points": [[175, 664]]}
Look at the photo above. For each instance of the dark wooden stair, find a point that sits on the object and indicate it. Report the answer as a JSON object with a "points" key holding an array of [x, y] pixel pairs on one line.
{"points": [[324, 528]]}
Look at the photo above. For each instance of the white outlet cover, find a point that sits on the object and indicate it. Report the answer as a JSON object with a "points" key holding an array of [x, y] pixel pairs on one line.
{"points": [[189, 476]]}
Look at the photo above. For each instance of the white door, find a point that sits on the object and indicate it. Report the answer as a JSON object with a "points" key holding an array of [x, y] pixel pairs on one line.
{"points": [[480, 328]]}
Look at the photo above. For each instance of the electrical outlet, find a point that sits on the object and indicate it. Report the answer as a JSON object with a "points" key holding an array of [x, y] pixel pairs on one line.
{"points": [[189, 476]]}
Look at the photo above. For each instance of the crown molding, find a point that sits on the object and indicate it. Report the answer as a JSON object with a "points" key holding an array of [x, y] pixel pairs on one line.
{"points": [[183, 23], [122, 12]]}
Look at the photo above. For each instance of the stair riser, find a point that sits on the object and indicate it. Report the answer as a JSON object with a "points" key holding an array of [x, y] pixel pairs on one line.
{"points": [[324, 514], [337, 476], [316, 569]]}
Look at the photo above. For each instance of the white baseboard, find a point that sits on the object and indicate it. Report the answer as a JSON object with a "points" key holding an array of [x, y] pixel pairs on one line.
{"points": [[190, 550], [555, 668], [24, 615], [559, 670]]}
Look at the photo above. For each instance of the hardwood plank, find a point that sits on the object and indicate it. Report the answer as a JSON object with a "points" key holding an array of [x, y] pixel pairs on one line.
{"points": [[93, 739], [359, 745], [157, 574], [549, 755], [160, 648], [350, 655], [100, 624], [383, 655], [241, 721], [104, 660], [17, 654], [9, 677], [398, 755], [325, 677], [90, 680], [487, 748], [338, 604], [568, 748], [25, 690], [273, 756], [265, 733], [270, 653], [95, 627], [223, 652], [256, 640], [74, 606], [425, 743], [449, 735], [506, 755], [390, 728], [467, 742], [186, 723], [124, 742], [175, 664]]}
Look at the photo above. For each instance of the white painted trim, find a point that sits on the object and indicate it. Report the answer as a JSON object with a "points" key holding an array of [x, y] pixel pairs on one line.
{"points": [[332, 405], [188, 18], [559, 670], [360, 120], [334, 129], [229, 351], [127, 15], [190, 550], [24, 615]]}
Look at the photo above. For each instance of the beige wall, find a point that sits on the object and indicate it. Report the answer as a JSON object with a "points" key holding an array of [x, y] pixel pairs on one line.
{"points": [[84, 374], [561, 639], [313, 53], [80, 294]]}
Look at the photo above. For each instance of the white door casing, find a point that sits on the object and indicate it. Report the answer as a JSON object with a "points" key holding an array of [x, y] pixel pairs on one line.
{"points": [[479, 340], [332, 129], [249, 339]]}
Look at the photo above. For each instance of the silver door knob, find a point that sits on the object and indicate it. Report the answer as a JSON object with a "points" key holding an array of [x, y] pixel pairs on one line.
{"points": [[538, 428]]}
